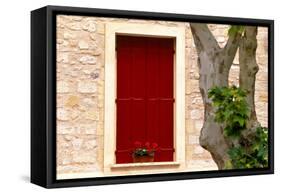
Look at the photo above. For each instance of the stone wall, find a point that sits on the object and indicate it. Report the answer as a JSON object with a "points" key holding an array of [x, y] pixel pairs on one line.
{"points": [[80, 92]]}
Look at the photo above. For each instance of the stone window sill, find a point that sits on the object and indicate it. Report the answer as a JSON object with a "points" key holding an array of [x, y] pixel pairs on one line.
{"points": [[145, 164]]}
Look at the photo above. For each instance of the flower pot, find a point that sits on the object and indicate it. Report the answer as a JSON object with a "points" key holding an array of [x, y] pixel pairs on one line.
{"points": [[141, 159]]}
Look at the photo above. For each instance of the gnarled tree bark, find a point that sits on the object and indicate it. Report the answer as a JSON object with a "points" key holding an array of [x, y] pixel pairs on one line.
{"points": [[214, 66]]}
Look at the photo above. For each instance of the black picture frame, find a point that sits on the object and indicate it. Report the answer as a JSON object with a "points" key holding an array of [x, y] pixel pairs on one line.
{"points": [[43, 96]]}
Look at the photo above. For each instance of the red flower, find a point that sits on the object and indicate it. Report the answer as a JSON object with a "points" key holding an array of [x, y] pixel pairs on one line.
{"points": [[154, 146], [147, 145], [150, 148], [137, 144]]}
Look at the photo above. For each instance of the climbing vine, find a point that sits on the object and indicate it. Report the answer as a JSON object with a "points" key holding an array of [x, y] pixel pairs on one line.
{"points": [[232, 110]]}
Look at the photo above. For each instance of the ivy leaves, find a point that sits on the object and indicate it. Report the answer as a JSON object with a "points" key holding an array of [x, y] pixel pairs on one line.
{"points": [[255, 155], [231, 109]]}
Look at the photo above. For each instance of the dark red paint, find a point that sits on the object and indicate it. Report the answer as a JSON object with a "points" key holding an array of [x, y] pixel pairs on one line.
{"points": [[145, 100]]}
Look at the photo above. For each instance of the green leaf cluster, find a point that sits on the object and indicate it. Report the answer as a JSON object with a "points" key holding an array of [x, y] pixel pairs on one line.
{"points": [[141, 152], [255, 155], [235, 29], [232, 110]]}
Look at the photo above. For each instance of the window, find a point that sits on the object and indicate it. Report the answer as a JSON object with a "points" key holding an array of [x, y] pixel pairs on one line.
{"points": [[172, 95]]}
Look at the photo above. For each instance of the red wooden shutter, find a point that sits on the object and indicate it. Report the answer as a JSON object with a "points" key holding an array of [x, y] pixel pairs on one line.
{"points": [[144, 95]]}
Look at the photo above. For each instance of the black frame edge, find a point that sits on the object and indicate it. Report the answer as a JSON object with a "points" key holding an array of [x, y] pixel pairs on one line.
{"points": [[271, 94], [157, 15], [38, 97]]}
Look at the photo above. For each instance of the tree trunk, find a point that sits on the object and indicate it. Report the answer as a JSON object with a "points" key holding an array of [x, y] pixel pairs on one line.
{"points": [[214, 65], [248, 71]]}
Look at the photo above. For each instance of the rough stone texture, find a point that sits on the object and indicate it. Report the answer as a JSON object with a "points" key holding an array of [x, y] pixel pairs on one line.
{"points": [[80, 92]]}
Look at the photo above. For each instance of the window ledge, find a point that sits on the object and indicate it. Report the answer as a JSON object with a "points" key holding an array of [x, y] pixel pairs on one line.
{"points": [[145, 164]]}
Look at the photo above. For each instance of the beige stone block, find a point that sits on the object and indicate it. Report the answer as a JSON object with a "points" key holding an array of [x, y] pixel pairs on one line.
{"points": [[87, 87], [262, 75], [197, 100], [102, 75], [63, 114], [196, 114], [193, 139], [101, 115], [100, 99], [101, 90], [72, 101], [66, 114], [101, 28], [92, 115], [90, 129], [221, 39], [100, 142], [189, 152], [89, 102], [69, 35], [65, 159], [76, 18], [72, 45], [69, 137], [198, 124], [80, 129], [63, 128], [84, 156], [100, 128], [262, 97], [261, 85], [74, 26], [199, 165], [90, 144], [189, 126], [100, 158], [77, 143], [62, 144], [97, 51], [89, 25], [195, 85], [83, 44], [198, 150], [62, 87], [88, 59], [62, 57], [93, 36], [59, 41]]}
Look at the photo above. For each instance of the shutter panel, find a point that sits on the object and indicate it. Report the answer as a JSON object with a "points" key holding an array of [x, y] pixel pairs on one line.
{"points": [[160, 96], [167, 99], [144, 95], [123, 104]]}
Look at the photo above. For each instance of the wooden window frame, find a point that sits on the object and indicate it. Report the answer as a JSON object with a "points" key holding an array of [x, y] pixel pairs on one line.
{"points": [[152, 30]]}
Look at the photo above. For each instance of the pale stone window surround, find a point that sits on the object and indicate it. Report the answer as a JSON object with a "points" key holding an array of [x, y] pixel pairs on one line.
{"points": [[153, 30]]}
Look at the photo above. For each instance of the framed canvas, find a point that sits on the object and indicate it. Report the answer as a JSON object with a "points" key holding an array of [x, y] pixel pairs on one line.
{"points": [[126, 96]]}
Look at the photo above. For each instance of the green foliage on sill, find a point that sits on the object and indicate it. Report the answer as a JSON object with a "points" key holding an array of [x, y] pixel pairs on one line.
{"points": [[141, 152]]}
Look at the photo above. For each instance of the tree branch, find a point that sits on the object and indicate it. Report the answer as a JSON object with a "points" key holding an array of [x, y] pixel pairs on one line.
{"points": [[231, 47], [249, 69], [203, 37]]}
